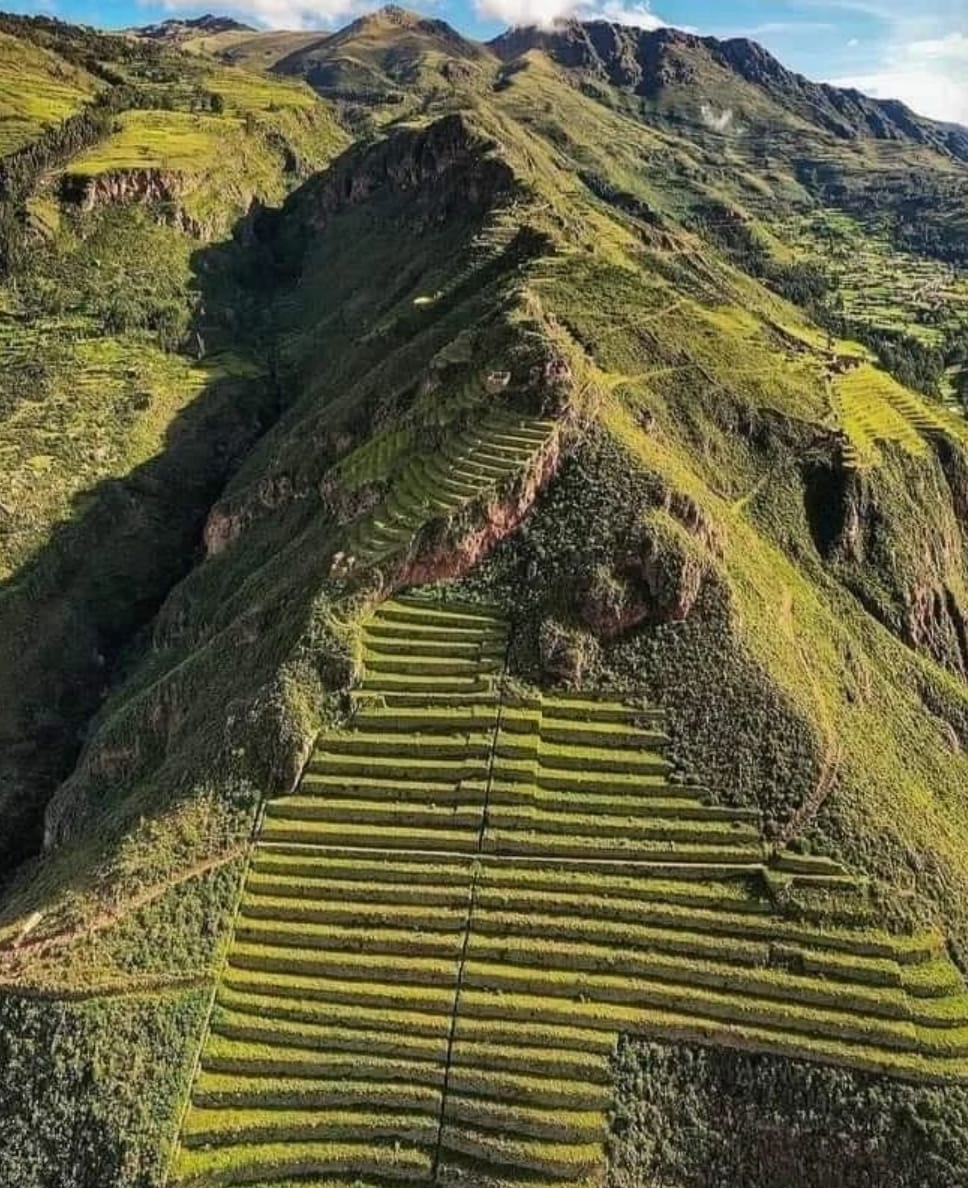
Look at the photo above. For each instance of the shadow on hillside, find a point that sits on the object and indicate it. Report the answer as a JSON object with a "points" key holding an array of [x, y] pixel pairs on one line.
{"points": [[73, 612]]}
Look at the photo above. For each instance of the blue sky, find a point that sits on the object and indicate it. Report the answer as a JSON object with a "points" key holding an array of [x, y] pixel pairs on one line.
{"points": [[917, 52]]}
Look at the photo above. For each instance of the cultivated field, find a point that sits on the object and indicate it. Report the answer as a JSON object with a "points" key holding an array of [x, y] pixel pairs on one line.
{"points": [[435, 484], [871, 407], [878, 285], [472, 893]]}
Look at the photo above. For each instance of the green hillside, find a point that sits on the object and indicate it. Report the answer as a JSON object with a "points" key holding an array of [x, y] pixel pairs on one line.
{"points": [[484, 615]]}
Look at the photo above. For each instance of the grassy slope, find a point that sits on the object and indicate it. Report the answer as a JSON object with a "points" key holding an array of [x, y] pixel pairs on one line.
{"points": [[776, 652], [102, 394], [37, 89], [727, 373], [114, 441]]}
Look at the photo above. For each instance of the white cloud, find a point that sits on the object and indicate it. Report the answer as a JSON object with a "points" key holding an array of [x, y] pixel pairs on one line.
{"points": [[639, 15], [719, 121], [930, 75], [545, 12], [287, 14]]}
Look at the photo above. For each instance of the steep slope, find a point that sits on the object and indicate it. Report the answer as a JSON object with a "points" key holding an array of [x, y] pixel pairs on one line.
{"points": [[130, 384], [554, 355], [388, 61]]}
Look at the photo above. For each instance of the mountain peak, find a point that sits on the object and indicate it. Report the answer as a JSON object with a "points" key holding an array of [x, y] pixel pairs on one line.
{"points": [[392, 17], [182, 28]]}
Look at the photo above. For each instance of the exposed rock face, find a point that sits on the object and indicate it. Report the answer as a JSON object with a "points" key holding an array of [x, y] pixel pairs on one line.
{"points": [[128, 186], [659, 578], [935, 623], [862, 528], [448, 162], [123, 186], [226, 522]]}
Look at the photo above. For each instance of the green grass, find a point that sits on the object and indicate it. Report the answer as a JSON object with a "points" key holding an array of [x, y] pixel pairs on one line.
{"points": [[246, 91], [182, 142], [37, 90]]}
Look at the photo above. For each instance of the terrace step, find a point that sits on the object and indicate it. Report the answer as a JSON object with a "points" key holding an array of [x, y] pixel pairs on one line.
{"points": [[351, 895], [662, 803], [477, 716], [339, 786], [423, 628], [404, 767], [641, 826], [371, 836], [378, 995], [279, 1161], [499, 841], [216, 1090], [213, 1126], [230, 1057], [585, 709], [561, 1161], [431, 1022], [393, 814], [407, 609], [410, 870], [369, 743], [381, 661], [586, 759], [597, 734], [431, 646]]}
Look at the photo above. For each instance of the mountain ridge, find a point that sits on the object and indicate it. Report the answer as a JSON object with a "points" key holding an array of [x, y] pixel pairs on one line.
{"points": [[486, 573], [611, 49], [638, 59]]}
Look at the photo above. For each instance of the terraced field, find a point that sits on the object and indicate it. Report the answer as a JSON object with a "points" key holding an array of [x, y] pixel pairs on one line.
{"points": [[877, 285], [472, 894], [873, 408], [432, 484]]}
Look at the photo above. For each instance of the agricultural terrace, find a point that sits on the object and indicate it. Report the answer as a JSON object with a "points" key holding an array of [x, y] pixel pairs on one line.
{"points": [[878, 285], [473, 892], [179, 141], [244, 91], [871, 407], [427, 485]]}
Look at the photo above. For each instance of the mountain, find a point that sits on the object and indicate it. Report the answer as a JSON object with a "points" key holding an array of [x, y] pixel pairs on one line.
{"points": [[484, 614], [675, 69], [176, 30]]}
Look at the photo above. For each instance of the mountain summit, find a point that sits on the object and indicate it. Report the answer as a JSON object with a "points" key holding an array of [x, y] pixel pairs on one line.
{"points": [[484, 614]]}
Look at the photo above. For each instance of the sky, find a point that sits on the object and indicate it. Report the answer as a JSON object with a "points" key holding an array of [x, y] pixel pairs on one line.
{"points": [[892, 49]]}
